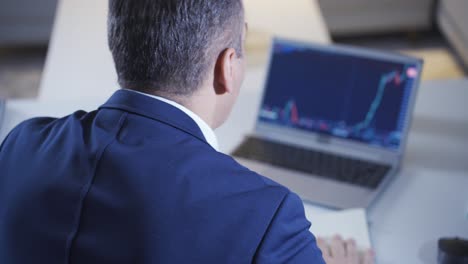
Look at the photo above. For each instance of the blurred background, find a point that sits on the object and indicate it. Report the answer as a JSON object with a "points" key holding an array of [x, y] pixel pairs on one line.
{"points": [[436, 30], [427, 203]]}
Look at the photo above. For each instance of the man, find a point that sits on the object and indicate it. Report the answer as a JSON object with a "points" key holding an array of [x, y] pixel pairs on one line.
{"points": [[140, 179]]}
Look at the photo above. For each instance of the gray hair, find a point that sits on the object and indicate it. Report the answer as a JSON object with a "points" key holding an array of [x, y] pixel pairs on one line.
{"points": [[170, 46]]}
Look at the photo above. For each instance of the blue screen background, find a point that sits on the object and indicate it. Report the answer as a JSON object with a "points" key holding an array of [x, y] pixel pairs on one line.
{"points": [[365, 100]]}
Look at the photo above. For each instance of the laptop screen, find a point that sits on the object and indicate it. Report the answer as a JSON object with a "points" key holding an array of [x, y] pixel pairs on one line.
{"points": [[338, 93]]}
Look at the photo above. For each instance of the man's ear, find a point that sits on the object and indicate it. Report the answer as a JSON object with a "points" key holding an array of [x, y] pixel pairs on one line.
{"points": [[223, 74]]}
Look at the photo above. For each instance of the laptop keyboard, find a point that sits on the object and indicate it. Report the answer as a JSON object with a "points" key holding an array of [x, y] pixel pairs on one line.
{"points": [[344, 169]]}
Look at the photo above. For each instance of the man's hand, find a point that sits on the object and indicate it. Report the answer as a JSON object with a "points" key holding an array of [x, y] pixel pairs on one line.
{"points": [[340, 251]]}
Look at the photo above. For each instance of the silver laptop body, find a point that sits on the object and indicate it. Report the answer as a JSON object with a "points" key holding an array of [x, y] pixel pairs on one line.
{"points": [[369, 82]]}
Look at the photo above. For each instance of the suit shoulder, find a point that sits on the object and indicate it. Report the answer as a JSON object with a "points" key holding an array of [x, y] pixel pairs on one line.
{"points": [[227, 165], [33, 123], [38, 125], [38, 122]]}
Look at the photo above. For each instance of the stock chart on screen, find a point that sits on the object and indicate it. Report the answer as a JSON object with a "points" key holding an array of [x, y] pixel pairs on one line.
{"points": [[345, 96]]}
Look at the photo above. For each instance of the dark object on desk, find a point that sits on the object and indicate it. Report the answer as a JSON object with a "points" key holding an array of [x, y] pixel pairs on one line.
{"points": [[453, 251]]}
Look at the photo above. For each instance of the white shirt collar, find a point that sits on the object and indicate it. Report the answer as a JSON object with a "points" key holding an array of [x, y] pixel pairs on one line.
{"points": [[208, 133]]}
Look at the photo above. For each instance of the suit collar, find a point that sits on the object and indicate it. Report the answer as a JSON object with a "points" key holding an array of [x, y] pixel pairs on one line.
{"points": [[154, 109], [206, 130]]}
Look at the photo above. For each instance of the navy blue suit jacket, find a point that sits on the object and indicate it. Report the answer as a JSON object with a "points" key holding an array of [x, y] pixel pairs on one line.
{"points": [[136, 182]]}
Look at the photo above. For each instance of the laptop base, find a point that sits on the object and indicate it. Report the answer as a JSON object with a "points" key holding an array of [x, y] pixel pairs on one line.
{"points": [[315, 189]]}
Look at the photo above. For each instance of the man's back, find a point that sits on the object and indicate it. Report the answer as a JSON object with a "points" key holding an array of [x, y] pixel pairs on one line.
{"points": [[136, 182]]}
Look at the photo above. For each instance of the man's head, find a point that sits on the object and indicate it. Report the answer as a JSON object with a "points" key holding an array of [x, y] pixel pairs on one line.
{"points": [[177, 48]]}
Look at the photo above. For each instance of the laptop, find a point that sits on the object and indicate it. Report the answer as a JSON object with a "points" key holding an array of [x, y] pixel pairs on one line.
{"points": [[333, 121]]}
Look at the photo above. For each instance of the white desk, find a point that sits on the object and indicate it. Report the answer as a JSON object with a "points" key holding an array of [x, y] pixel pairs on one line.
{"points": [[428, 200]]}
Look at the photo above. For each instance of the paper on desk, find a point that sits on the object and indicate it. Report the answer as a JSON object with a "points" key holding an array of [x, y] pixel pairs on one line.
{"points": [[347, 223]]}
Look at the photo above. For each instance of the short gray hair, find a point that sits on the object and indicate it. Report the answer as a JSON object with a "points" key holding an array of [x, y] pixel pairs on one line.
{"points": [[170, 46]]}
